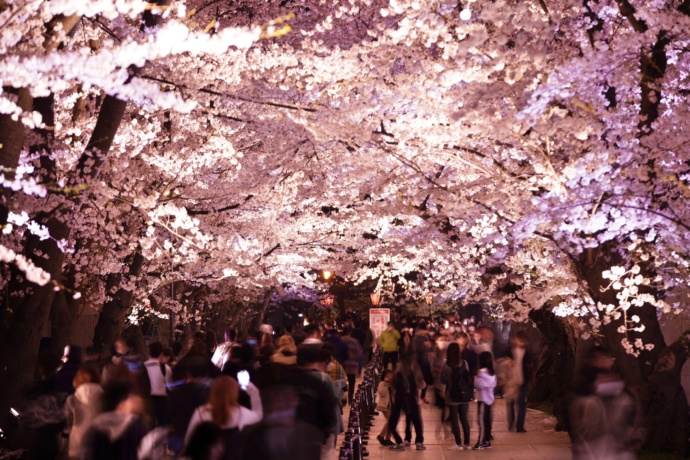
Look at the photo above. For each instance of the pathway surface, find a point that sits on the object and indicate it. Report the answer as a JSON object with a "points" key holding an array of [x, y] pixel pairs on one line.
{"points": [[541, 442]]}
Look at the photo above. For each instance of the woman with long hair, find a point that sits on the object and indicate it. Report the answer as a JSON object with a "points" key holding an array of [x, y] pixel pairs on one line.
{"points": [[455, 375], [485, 383], [224, 410]]}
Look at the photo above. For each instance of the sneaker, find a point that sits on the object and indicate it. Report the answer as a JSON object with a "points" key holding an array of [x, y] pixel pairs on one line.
{"points": [[420, 446], [478, 446], [456, 447], [397, 447], [468, 447], [380, 439], [406, 443], [521, 430], [487, 445], [388, 442]]}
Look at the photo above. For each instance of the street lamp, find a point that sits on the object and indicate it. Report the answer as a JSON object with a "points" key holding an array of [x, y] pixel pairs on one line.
{"points": [[375, 298]]}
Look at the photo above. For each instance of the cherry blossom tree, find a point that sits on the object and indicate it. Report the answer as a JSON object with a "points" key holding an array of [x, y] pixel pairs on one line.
{"points": [[248, 144]]}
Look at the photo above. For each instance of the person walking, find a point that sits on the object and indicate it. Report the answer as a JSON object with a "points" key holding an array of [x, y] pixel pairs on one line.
{"points": [[354, 355], [485, 383], [388, 341], [384, 405], [455, 375], [522, 366], [407, 381], [160, 376]]}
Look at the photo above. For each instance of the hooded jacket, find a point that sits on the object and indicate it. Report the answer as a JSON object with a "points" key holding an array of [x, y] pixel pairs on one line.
{"points": [[80, 410]]}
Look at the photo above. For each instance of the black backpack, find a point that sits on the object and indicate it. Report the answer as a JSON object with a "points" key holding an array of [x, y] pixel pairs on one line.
{"points": [[461, 384]]}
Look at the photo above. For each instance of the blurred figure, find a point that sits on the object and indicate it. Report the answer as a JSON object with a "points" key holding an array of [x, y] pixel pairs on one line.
{"points": [[282, 434], [439, 359], [206, 443], [485, 383], [160, 376], [521, 374], [421, 345], [384, 404], [224, 410], [287, 351], [185, 398], [603, 417], [354, 355], [456, 376], [407, 380], [388, 341], [116, 433], [197, 349], [82, 407], [71, 362], [222, 352]]}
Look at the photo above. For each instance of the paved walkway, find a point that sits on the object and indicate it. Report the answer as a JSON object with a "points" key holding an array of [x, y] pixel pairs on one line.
{"points": [[541, 442]]}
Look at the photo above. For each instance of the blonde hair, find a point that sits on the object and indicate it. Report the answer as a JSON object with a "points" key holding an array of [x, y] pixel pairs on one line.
{"points": [[224, 396]]}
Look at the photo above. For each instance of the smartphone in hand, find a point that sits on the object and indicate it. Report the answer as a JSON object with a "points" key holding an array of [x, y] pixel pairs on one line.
{"points": [[243, 379]]}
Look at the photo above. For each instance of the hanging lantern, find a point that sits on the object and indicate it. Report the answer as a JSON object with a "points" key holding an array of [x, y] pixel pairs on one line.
{"points": [[327, 274], [375, 298]]}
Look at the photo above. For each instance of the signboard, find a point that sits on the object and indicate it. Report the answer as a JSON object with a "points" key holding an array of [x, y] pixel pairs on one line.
{"points": [[378, 320]]}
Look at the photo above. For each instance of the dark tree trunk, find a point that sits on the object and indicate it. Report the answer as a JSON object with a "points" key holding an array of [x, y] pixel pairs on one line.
{"points": [[12, 134], [111, 319], [64, 314], [556, 365], [654, 376], [22, 333]]}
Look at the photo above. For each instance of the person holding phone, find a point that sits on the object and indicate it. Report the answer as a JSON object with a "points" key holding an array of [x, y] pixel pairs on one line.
{"points": [[224, 410]]}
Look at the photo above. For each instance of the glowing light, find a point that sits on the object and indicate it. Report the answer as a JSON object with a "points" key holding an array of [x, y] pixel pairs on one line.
{"points": [[375, 298], [14, 412], [327, 274], [465, 14], [305, 322], [446, 324]]}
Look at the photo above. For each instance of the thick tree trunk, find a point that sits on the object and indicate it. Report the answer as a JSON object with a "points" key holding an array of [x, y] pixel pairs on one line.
{"points": [[556, 365], [654, 376], [20, 340]]}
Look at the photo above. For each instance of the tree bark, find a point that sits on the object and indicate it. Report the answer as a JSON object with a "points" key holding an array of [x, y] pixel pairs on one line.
{"points": [[111, 320], [654, 376], [556, 366], [22, 335]]}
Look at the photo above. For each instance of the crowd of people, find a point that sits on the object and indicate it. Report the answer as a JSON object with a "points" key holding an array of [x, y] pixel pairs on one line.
{"points": [[281, 395], [268, 396], [457, 363]]}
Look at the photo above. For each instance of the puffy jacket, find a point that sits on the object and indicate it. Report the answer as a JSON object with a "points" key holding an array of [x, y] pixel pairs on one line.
{"points": [[389, 340]]}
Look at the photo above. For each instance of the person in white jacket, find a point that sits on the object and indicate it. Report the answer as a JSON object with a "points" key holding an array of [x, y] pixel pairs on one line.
{"points": [[223, 407], [485, 382], [81, 407]]}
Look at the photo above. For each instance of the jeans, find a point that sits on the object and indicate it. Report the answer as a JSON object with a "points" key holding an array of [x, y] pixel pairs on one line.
{"points": [[521, 403], [458, 413], [413, 415], [484, 419]]}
